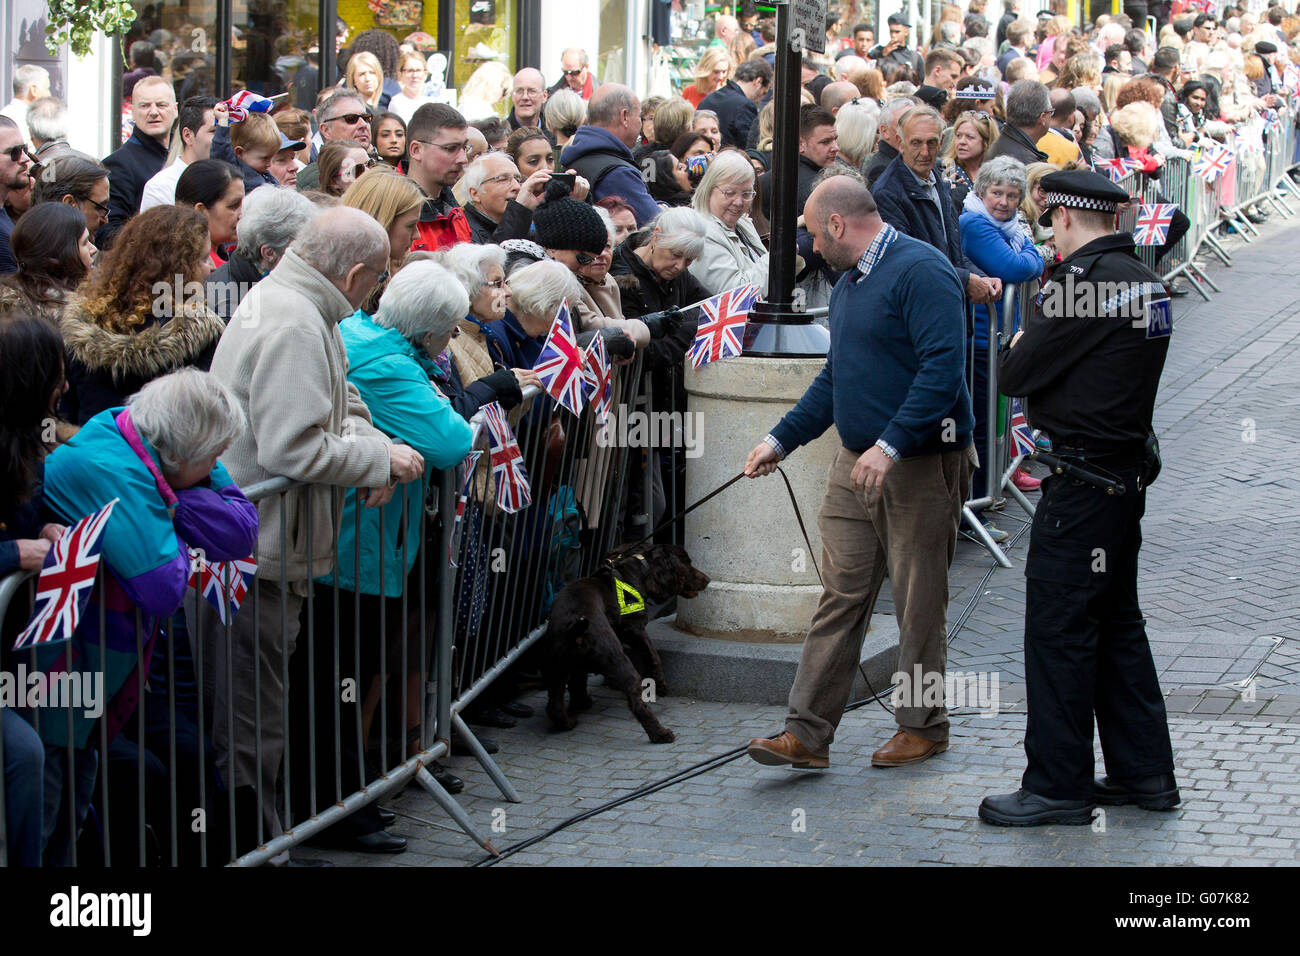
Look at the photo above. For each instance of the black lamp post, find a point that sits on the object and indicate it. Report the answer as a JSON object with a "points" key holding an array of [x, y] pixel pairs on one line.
{"points": [[779, 326]]}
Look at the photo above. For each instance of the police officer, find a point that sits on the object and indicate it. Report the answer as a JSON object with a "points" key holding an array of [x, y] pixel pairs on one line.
{"points": [[896, 49], [1088, 363]]}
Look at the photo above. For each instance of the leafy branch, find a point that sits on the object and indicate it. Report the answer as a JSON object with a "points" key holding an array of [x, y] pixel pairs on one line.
{"points": [[75, 22]]}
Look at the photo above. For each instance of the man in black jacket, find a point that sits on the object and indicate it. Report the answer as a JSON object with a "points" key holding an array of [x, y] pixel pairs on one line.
{"points": [[887, 146], [896, 49], [817, 150], [153, 108], [735, 102], [917, 202], [501, 201], [1029, 116], [1164, 69]]}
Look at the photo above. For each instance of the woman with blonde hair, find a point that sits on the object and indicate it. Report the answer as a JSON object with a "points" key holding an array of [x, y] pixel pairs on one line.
{"points": [[711, 72], [740, 47], [394, 202], [1111, 84], [1031, 206], [484, 91], [973, 132], [673, 118], [870, 83], [366, 76], [1082, 69], [564, 111]]}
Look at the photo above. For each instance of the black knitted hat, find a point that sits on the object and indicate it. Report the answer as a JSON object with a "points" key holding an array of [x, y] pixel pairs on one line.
{"points": [[564, 223]]}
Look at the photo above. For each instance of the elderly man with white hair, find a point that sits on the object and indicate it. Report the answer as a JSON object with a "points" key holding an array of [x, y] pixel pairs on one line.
{"points": [[501, 201], [31, 83], [283, 358], [270, 219]]}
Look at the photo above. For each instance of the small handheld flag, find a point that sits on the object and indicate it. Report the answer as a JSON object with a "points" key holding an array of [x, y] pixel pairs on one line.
{"points": [[222, 581], [244, 102], [722, 321], [559, 365], [66, 580], [470, 463], [598, 378], [1022, 436], [513, 493], [1118, 168], [1153, 222]]}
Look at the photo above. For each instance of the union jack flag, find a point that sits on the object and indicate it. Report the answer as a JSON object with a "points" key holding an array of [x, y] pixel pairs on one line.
{"points": [[1213, 163], [1118, 168], [508, 471], [1022, 436], [722, 320], [1271, 121], [222, 581], [244, 102], [598, 378], [559, 365], [1153, 221], [67, 577], [471, 462]]}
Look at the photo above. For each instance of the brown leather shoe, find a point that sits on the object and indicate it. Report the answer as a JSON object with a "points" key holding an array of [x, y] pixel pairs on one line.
{"points": [[786, 749], [904, 748]]}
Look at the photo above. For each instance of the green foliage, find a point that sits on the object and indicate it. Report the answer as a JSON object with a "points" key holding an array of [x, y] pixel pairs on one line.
{"points": [[76, 22]]}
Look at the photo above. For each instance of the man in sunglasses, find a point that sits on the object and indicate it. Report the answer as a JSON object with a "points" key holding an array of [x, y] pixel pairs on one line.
{"points": [[576, 74], [436, 139], [340, 115], [14, 164], [153, 110]]}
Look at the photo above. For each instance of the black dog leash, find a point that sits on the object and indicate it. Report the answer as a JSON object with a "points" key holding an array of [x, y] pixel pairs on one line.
{"points": [[618, 555]]}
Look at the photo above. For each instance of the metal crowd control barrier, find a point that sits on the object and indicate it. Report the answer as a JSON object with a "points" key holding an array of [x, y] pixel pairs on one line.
{"points": [[511, 565], [428, 652]]}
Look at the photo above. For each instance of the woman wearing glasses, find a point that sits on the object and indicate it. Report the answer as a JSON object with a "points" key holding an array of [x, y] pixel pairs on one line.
{"points": [[341, 162], [733, 253], [76, 180], [411, 74]]}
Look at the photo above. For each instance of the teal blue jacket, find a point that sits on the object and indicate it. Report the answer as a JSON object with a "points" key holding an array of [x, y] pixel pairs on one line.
{"points": [[393, 379]]}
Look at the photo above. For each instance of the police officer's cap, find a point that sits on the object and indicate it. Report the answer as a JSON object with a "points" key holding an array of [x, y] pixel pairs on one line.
{"points": [[1079, 189], [899, 20], [1264, 48]]}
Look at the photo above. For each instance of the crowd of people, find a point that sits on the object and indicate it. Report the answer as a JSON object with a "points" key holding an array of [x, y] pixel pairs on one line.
{"points": [[329, 295]]}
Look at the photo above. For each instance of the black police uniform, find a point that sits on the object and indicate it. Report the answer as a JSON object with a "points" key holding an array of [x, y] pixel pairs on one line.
{"points": [[1089, 373]]}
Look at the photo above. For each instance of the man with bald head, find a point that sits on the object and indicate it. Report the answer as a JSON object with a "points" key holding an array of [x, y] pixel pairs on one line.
{"points": [[601, 150], [282, 358], [894, 388], [528, 96], [835, 95], [140, 158], [576, 74]]}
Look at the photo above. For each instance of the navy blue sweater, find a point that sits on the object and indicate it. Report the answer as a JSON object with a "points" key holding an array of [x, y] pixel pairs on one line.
{"points": [[897, 365]]}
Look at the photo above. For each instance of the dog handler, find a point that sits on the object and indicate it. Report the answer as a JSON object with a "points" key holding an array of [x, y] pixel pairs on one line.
{"points": [[1088, 363], [894, 387]]}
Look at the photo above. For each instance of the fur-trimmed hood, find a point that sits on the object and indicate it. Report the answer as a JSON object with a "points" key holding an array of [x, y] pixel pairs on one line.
{"points": [[148, 351], [13, 301]]}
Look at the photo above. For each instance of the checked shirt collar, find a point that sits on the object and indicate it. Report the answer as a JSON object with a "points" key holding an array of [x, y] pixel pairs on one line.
{"points": [[876, 251]]}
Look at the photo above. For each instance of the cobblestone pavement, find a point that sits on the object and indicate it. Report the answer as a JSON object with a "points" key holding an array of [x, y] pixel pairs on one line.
{"points": [[1218, 585]]}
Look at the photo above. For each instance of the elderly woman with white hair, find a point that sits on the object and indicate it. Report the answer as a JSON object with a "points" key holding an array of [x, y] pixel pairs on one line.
{"points": [[995, 241], [733, 253], [156, 459], [269, 221], [855, 129], [481, 271], [391, 365]]}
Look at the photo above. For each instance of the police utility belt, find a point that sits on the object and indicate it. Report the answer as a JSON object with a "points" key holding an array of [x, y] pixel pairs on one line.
{"points": [[1092, 468]]}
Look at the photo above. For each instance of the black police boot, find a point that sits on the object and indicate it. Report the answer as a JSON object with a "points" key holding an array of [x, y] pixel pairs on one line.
{"points": [[1025, 809], [1159, 792], [450, 782]]}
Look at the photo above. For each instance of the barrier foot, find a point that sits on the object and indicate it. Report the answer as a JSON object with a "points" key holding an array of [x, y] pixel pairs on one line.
{"points": [[1198, 276], [978, 532], [1282, 208], [1216, 247], [1010, 488], [453, 809], [1244, 226], [485, 760]]}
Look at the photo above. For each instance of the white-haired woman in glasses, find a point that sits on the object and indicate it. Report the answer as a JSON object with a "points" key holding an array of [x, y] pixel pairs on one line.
{"points": [[733, 253]]}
